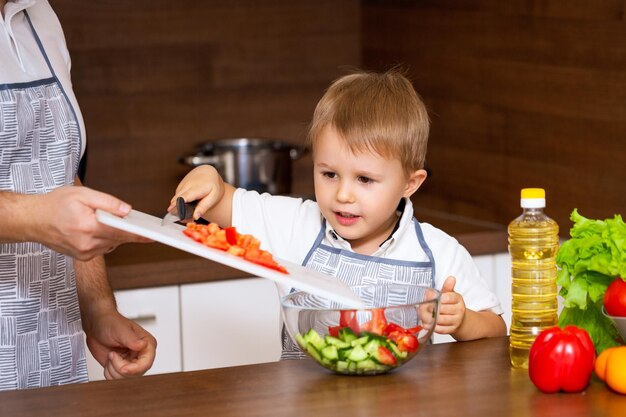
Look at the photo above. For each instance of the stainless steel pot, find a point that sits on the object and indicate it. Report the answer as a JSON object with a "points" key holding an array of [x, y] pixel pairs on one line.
{"points": [[263, 165]]}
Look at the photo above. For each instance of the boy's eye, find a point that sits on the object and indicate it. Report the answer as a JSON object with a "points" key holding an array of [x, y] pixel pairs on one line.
{"points": [[365, 180], [329, 174]]}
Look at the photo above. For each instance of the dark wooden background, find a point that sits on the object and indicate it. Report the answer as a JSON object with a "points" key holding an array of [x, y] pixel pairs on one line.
{"points": [[154, 78], [520, 93]]}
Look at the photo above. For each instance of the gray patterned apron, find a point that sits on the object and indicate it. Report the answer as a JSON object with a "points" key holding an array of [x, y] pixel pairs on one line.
{"points": [[356, 269], [41, 341]]}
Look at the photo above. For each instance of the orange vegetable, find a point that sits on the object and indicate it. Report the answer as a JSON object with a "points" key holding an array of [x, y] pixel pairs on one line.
{"points": [[611, 368]]}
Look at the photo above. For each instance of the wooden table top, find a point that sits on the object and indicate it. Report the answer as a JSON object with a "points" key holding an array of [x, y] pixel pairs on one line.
{"points": [[466, 379]]}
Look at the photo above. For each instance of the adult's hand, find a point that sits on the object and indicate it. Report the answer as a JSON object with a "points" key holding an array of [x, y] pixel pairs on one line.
{"points": [[121, 346], [65, 220]]}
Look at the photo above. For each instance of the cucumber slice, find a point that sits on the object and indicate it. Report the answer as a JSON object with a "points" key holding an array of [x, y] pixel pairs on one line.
{"points": [[344, 353], [312, 337], [313, 352], [330, 340], [357, 354], [397, 352], [347, 335], [366, 365], [301, 341], [361, 341], [371, 347], [330, 353], [342, 366]]}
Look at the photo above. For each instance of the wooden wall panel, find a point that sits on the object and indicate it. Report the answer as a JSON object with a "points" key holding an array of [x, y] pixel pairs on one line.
{"points": [[520, 94], [154, 77]]}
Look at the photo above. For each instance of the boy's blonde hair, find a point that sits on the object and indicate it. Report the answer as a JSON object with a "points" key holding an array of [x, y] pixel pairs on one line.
{"points": [[375, 112]]}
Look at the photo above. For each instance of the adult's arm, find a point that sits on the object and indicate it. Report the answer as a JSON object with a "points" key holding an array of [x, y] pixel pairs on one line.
{"points": [[121, 346]]}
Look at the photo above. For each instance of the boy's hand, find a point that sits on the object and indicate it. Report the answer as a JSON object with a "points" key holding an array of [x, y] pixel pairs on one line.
{"points": [[202, 184], [452, 309]]}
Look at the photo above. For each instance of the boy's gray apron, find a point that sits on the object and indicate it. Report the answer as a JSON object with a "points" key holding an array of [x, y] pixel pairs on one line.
{"points": [[355, 269], [41, 340]]}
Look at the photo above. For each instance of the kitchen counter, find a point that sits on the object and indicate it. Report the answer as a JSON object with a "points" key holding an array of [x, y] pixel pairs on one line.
{"points": [[149, 265], [463, 378]]}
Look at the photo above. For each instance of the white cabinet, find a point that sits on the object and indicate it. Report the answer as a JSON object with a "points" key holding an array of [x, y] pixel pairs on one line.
{"points": [[158, 311], [229, 323]]}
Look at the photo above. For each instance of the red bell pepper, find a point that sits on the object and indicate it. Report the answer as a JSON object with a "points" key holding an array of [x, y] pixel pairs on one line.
{"points": [[561, 360]]}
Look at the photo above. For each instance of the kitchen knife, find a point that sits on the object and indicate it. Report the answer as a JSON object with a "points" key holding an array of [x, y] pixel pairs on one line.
{"points": [[183, 215]]}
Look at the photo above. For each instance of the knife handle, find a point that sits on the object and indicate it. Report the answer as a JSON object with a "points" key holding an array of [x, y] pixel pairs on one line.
{"points": [[185, 210]]}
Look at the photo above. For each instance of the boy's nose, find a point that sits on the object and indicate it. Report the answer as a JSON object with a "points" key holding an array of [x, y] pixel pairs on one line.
{"points": [[344, 193]]}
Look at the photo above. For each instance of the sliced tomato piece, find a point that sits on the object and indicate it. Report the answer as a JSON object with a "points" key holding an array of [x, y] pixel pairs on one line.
{"points": [[391, 328], [244, 241], [217, 243], [415, 329], [407, 343], [377, 324], [194, 234], [231, 235], [334, 330], [228, 239], [261, 257], [385, 356], [347, 318], [236, 250], [220, 234]]}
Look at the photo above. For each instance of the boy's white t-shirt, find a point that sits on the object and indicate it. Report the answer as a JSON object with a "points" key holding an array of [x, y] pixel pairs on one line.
{"points": [[288, 227]]}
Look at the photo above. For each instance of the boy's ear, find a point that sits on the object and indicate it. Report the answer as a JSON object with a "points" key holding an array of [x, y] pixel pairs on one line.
{"points": [[416, 179]]}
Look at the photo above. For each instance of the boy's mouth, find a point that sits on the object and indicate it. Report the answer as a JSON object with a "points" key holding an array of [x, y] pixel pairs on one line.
{"points": [[346, 219]]}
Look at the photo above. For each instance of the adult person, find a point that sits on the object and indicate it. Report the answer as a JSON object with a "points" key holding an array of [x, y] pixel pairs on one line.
{"points": [[53, 282]]}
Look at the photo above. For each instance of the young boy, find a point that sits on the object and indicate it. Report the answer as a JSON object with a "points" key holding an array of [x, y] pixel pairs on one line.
{"points": [[368, 139]]}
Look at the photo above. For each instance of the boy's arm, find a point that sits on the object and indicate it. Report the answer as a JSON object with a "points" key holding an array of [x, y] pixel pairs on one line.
{"points": [[480, 324], [462, 323], [215, 197]]}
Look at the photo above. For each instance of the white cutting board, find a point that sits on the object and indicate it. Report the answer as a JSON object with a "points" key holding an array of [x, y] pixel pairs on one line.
{"points": [[171, 234]]}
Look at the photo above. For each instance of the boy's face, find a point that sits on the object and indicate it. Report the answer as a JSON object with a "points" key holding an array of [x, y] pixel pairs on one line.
{"points": [[359, 193]]}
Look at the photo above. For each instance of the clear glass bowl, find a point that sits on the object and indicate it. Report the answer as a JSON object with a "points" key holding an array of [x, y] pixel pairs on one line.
{"points": [[620, 323], [398, 321]]}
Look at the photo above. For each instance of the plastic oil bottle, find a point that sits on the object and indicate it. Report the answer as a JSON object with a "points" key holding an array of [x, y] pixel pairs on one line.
{"points": [[533, 245]]}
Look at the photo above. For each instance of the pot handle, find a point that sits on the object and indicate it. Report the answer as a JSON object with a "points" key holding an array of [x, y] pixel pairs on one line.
{"points": [[197, 160]]}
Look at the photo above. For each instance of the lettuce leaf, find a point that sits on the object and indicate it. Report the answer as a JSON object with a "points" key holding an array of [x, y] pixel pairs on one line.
{"points": [[589, 261]]}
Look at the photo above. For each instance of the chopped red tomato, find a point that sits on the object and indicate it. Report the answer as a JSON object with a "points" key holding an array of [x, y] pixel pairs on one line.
{"points": [[348, 318], [407, 343], [245, 246], [215, 242], [385, 356], [334, 330], [377, 324], [261, 257], [231, 235]]}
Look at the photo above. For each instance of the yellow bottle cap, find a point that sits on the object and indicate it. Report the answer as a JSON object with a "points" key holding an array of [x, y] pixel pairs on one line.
{"points": [[533, 198], [533, 193]]}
